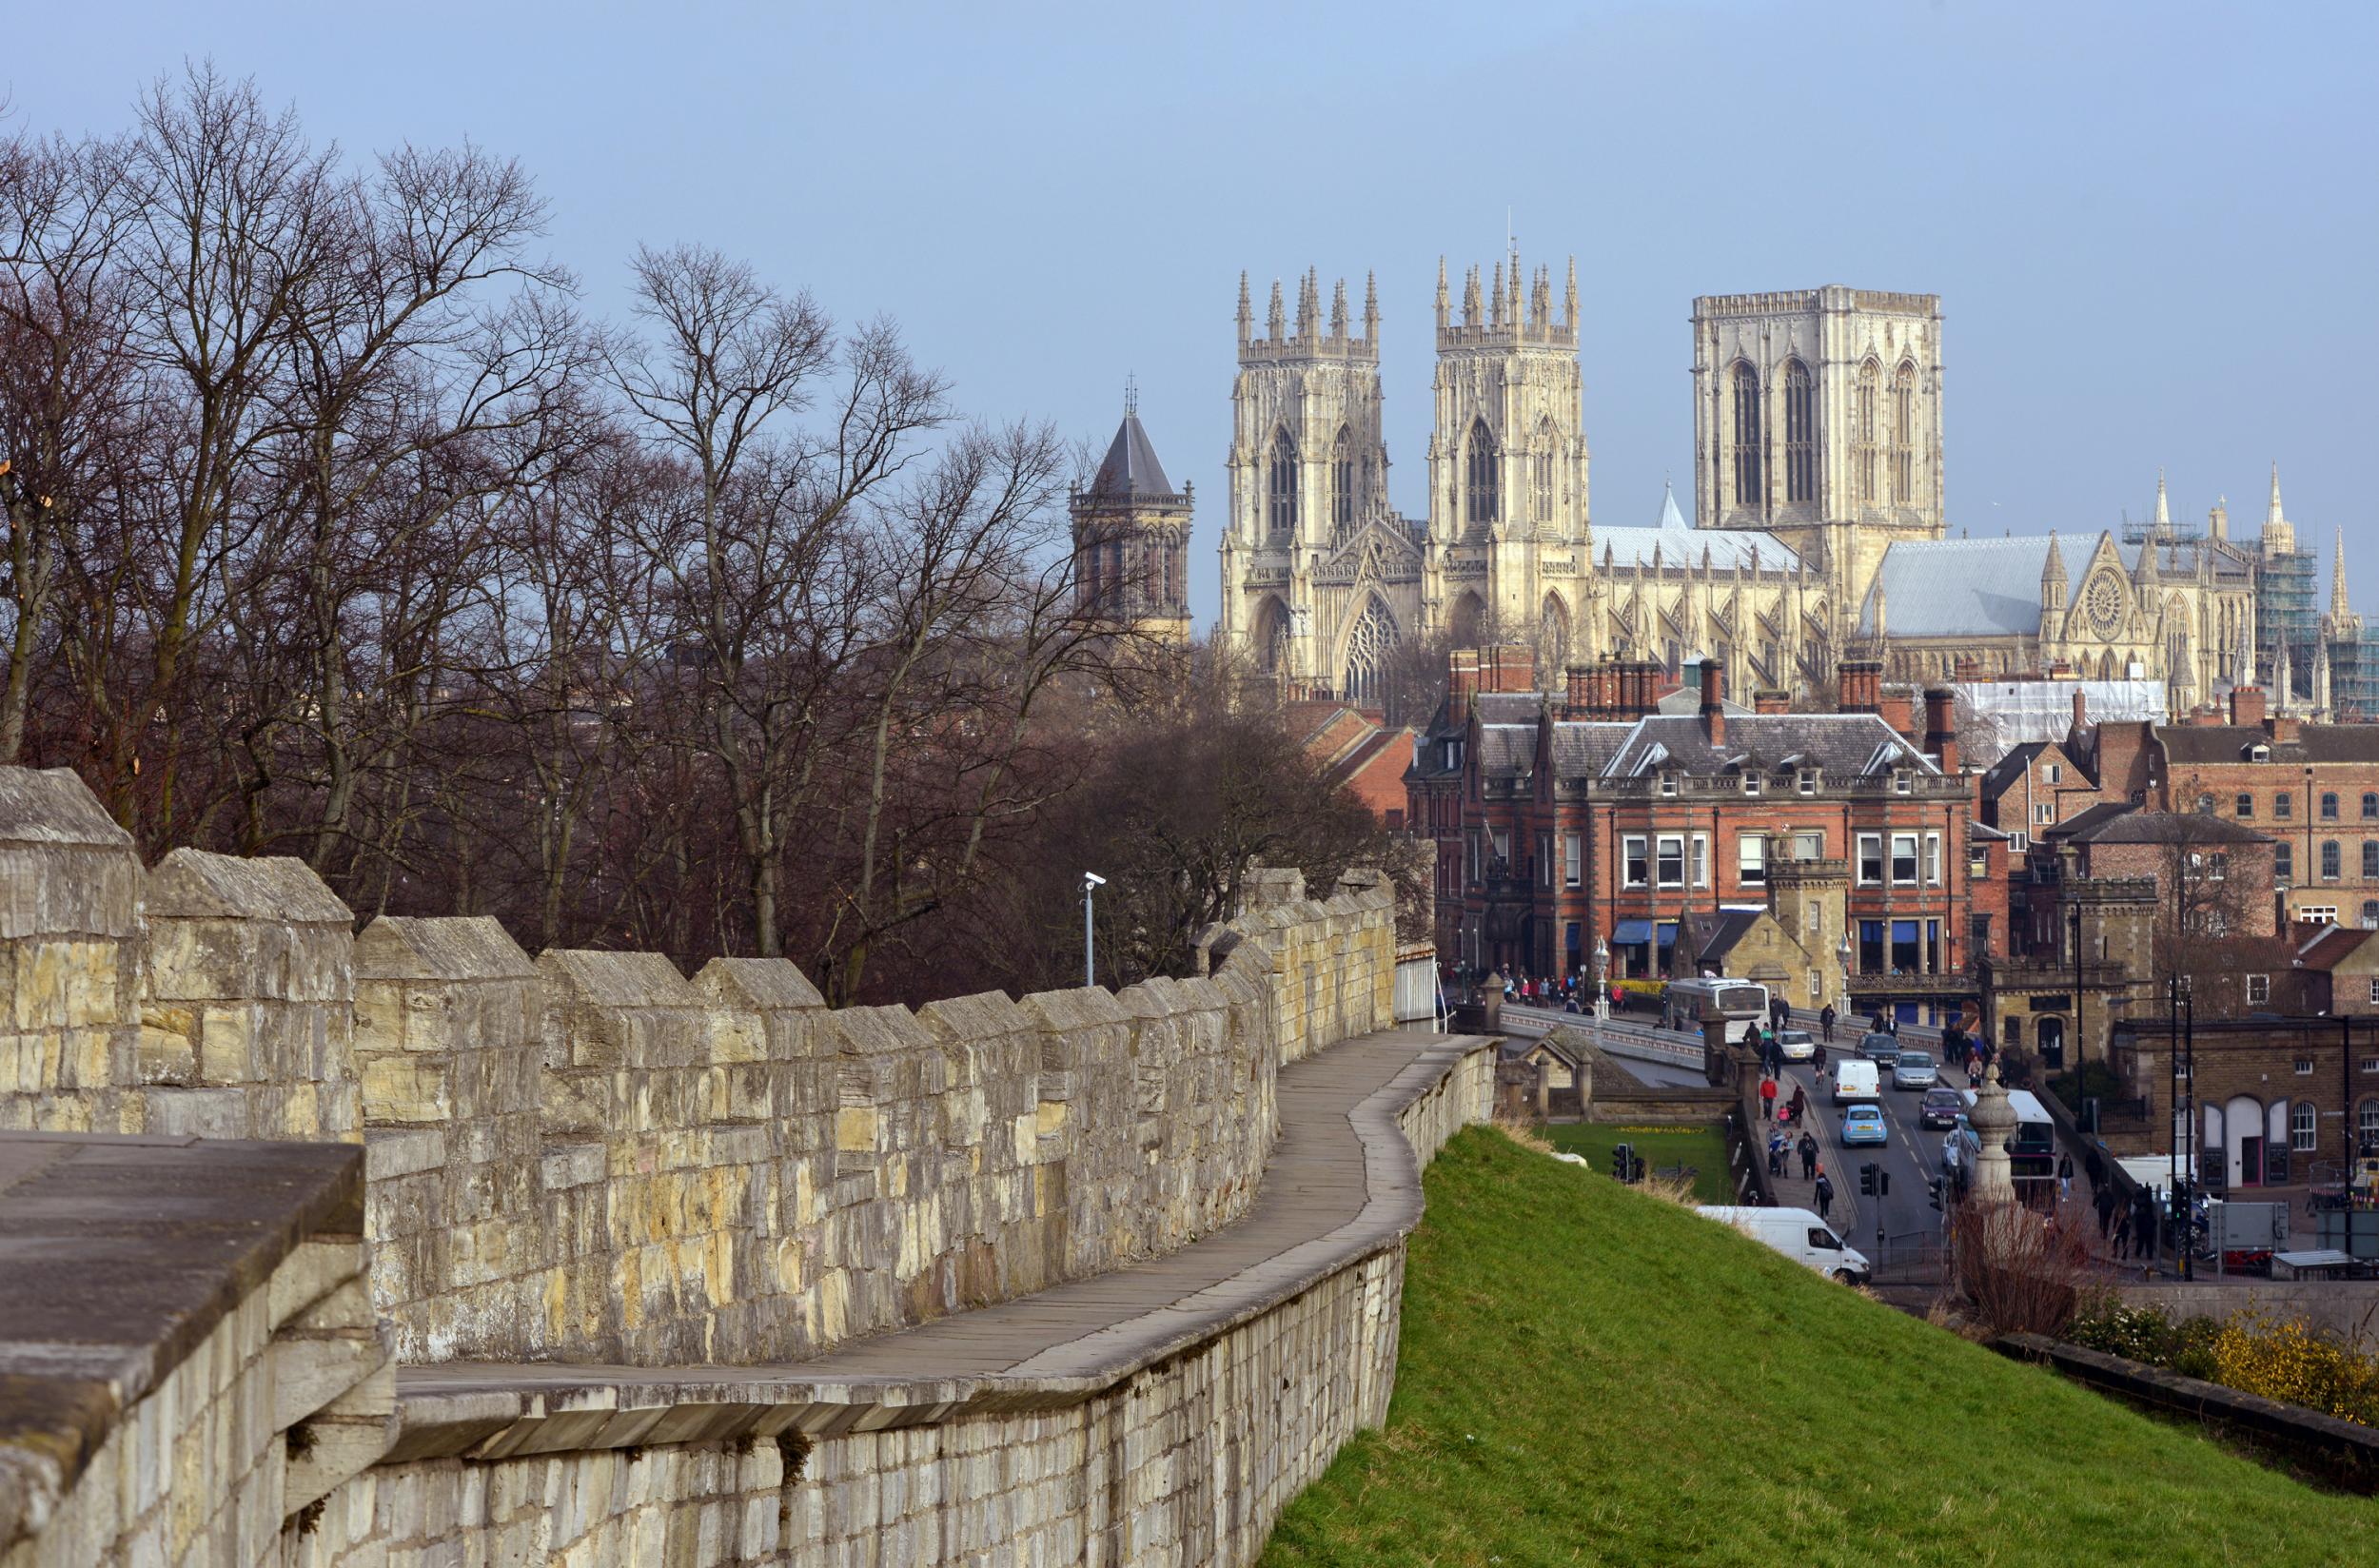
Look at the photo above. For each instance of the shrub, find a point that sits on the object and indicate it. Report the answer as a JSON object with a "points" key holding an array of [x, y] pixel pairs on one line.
{"points": [[2248, 1351]]}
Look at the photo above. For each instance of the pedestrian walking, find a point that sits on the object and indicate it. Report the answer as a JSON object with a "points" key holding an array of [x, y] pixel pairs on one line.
{"points": [[1825, 1192], [1974, 1075], [2064, 1177], [2123, 1236], [1776, 1154], [2105, 1203], [1800, 1102], [1808, 1155], [1768, 1098], [1825, 1021]]}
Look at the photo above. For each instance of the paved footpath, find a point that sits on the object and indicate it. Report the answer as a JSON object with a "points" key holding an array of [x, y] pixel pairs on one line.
{"points": [[1310, 1207]]}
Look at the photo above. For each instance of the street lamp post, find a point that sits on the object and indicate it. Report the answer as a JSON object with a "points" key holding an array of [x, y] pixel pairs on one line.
{"points": [[1842, 954], [2185, 1205], [1091, 882], [1601, 988]]}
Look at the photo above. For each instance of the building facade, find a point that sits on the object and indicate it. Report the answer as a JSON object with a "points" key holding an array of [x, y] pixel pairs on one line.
{"points": [[1131, 538], [1821, 528]]}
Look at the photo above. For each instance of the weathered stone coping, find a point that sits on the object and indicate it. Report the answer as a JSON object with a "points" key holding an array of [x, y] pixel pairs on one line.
{"points": [[118, 1257], [1010, 1357], [2347, 1449]]}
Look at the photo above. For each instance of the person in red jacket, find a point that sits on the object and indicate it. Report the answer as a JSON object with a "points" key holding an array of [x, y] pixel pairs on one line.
{"points": [[1768, 1098]]}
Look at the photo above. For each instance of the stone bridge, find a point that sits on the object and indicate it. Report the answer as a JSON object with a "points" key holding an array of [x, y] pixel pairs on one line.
{"points": [[404, 1247]]}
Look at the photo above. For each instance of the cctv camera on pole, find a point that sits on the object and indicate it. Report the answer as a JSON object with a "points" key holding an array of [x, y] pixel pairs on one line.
{"points": [[1090, 880]]}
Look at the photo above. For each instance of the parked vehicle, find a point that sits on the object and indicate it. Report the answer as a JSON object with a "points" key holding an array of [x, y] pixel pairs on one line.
{"points": [[1855, 1079], [1864, 1124], [1796, 1045], [1800, 1235], [1880, 1049], [1742, 1003], [1940, 1108], [1914, 1069]]}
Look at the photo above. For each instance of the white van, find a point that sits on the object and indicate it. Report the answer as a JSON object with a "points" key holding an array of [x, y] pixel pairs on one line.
{"points": [[1800, 1235], [1854, 1078]]}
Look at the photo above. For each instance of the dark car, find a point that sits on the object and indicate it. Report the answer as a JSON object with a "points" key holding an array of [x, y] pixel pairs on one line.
{"points": [[1882, 1050], [1940, 1108]]}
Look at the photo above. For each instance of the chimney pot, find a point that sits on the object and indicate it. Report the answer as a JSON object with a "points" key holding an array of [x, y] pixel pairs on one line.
{"points": [[1714, 701]]}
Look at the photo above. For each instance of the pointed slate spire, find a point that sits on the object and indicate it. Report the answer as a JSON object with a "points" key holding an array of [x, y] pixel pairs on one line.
{"points": [[1338, 311], [2271, 511], [1569, 312], [1670, 516], [1496, 305], [1470, 297], [2053, 576], [2164, 512], [1444, 307], [2339, 609], [1278, 323], [1371, 302], [1247, 317]]}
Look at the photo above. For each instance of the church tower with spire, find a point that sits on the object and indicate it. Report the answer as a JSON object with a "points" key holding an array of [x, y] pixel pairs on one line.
{"points": [[1131, 538]]}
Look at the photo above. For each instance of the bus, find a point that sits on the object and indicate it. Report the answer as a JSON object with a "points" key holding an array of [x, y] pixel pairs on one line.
{"points": [[2032, 1156], [1742, 1003]]}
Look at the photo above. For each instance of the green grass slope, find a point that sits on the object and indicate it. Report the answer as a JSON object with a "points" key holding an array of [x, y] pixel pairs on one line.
{"points": [[1588, 1375], [1700, 1150]]}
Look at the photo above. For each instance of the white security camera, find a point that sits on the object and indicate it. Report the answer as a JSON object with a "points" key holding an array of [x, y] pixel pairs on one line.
{"points": [[1094, 879]]}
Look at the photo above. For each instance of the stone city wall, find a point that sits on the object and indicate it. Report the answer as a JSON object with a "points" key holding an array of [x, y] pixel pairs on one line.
{"points": [[588, 1156], [1183, 1460]]}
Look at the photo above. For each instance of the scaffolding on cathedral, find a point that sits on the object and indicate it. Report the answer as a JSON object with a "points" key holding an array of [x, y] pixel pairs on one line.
{"points": [[2288, 609], [2354, 675]]}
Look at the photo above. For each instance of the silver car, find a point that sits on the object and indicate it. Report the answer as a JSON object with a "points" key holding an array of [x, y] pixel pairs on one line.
{"points": [[1914, 1069], [1796, 1045]]}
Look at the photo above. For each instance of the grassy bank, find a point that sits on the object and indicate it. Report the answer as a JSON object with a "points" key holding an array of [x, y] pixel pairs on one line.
{"points": [[1700, 1148], [1588, 1375]]}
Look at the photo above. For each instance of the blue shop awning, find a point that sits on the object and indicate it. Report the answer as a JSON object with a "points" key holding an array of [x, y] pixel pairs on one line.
{"points": [[1668, 933], [1631, 933]]}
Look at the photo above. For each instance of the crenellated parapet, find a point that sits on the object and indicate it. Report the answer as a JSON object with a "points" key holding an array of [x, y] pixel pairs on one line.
{"points": [[589, 1157]]}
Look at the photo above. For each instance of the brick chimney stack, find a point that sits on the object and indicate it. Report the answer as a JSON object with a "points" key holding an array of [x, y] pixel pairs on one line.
{"points": [[1714, 701], [1898, 708], [1768, 699], [1578, 690], [1941, 726], [1462, 683], [2081, 709], [2282, 727], [2247, 705], [1861, 684]]}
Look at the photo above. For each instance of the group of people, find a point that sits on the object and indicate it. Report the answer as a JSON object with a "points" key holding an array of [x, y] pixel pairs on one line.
{"points": [[1792, 1111], [1780, 1152], [1572, 993]]}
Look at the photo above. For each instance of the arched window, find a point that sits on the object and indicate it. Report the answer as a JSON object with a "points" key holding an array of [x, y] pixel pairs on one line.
{"points": [[1343, 481], [1484, 474], [2370, 915], [1800, 433], [2328, 806], [1747, 487], [1870, 454], [2371, 808], [1468, 619], [1269, 636], [1548, 458], [1370, 648], [1904, 434], [2330, 860], [1281, 486], [1553, 636]]}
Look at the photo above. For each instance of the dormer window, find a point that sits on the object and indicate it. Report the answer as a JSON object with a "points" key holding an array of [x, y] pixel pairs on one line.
{"points": [[2259, 752], [1751, 783], [1668, 784], [1806, 781], [1899, 782]]}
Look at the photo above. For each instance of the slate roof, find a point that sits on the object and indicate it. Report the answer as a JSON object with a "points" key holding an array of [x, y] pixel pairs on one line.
{"points": [[1507, 707], [2009, 770], [1842, 744], [2139, 827], [1130, 467], [1986, 587], [1582, 748], [1506, 748], [1719, 936], [1728, 547], [2087, 818], [2231, 742]]}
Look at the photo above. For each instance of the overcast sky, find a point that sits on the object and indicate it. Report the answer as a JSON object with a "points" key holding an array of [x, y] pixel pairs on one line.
{"points": [[2152, 226]]}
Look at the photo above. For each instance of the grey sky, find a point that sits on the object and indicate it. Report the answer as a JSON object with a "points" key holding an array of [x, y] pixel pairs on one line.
{"points": [[2152, 226]]}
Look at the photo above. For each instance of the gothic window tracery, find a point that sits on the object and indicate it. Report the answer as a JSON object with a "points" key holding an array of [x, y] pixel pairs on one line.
{"points": [[1281, 487], [1341, 483], [1800, 433], [1904, 434], [1746, 385], [1547, 444], [1870, 449], [1271, 639], [1484, 474], [1553, 635], [1370, 646]]}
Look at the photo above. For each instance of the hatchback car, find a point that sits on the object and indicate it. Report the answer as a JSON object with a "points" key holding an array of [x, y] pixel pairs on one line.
{"points": [[1863, 1124], [1880, 1049], [1796, 1045], [1939, 1109], [1914, 1069]]}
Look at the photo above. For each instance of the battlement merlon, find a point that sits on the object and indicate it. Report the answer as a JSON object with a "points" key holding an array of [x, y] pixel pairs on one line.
{"points": [[1309, 347], [1832, 297]]}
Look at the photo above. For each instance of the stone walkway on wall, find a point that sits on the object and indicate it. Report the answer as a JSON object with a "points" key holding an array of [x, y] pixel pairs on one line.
{"points": [[1341, 1180]]}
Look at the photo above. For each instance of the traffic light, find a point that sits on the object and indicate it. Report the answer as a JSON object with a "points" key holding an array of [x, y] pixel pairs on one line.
{"points": [[1866, 1180], [1635, 1170], [1882, 1181], [1933, 1188], [1623, 1162]]}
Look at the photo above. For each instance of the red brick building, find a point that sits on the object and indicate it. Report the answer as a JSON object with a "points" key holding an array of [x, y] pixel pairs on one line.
{"points": [[1354, 749], [1603, 819]]}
